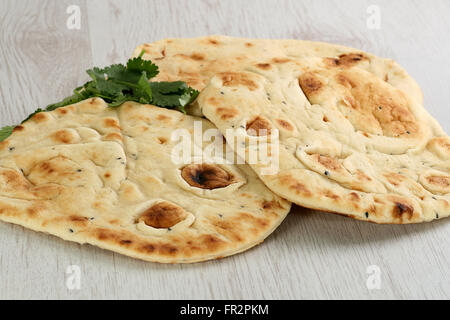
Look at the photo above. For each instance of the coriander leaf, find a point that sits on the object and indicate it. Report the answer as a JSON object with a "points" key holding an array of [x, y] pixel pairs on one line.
{"points": [[118, 73], [96, 74], [172, 94], [5, 132], [166, 100], [138, 64], [119, 100], [110, 89], [144, 100], [188, 97], [106, 88], [67, 101], [144, 88], [115, 71], [117, 84], [169, 87]]}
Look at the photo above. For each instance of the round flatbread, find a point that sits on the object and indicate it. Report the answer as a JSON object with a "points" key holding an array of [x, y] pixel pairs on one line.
{"points": [[107, 177], [354, 136], [349, 142]]}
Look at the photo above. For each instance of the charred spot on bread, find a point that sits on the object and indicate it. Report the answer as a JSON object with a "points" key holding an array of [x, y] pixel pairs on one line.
{"points": [[163, 215], [310, 83], [259, 127], [235, 79], [207, 176], [402, 209], [346, 60]]}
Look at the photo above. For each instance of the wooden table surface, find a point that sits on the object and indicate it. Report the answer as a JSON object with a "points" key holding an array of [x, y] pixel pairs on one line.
{"points": [[312, 255]]}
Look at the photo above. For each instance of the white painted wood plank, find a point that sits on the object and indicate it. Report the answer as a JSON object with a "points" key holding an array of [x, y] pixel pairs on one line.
{"points": [[312, 255], [41, 61]]}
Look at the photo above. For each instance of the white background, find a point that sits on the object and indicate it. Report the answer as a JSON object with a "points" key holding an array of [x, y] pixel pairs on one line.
{"points": [[312, 255]]}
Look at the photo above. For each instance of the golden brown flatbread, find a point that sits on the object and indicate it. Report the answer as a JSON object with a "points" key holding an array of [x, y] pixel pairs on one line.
{"points": [[355, 138], [197, 60], [350, 143], [92, 174]]}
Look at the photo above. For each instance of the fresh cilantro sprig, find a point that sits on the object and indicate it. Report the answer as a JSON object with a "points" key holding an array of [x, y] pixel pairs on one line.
{"points": [[118, 83]]}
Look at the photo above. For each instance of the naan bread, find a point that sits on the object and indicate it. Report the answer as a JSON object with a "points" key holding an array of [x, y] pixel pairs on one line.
{"points": [[355, 138], [91, 174], [350, 143], [197, 60]]}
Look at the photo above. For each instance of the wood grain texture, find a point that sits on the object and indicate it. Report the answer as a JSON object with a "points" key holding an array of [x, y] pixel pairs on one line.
{"points": [[312, 255]]}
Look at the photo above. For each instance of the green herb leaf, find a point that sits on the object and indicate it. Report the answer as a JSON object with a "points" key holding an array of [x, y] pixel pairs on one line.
{"points": [[118, 84], [119, 100], [189, 96], [173, 94], [144, 90], [169, 87], [140, 65], [5, 132]]}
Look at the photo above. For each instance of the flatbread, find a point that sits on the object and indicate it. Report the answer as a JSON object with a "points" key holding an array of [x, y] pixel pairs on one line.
{"points": [[350, 143], [197, 60], [91, 174], [355, 138]]}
